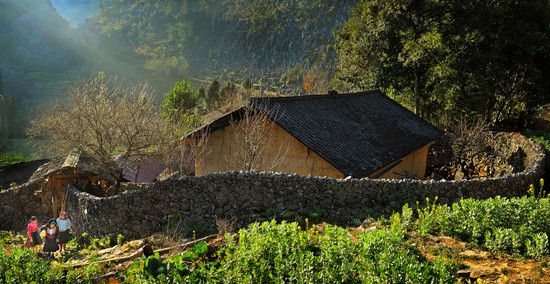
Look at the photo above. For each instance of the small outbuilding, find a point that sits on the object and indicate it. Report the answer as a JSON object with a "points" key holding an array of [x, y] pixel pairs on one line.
{"points": [[358, 135], [52, 177]]}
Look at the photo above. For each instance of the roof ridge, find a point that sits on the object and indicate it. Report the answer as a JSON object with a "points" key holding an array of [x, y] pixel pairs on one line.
{"points": [[368, 92]]}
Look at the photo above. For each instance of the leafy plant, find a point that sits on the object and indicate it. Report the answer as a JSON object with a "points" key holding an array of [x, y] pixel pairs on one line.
{"points": [[175, 269], [271, 212], [316, 213], [271, 252], [120, 239], [196, 251], [287, 214], [538, 246]]}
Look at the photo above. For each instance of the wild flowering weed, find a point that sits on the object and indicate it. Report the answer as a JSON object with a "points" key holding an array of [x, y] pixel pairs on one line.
{"points": [[427, 216], [540, 193], [406, 216]]}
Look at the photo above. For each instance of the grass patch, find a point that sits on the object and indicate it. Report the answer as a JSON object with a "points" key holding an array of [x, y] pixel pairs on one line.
{"points": [[10, 158]]}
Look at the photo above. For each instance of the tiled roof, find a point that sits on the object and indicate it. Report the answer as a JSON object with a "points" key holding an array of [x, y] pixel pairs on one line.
{"points": [[357, 133]]}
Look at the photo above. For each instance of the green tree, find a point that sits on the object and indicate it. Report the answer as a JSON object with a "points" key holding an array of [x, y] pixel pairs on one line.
{"points": [[391, 45], [449, 59], [228, 91], [499, 64], [213, 94], [180, 100], [201, 94]]}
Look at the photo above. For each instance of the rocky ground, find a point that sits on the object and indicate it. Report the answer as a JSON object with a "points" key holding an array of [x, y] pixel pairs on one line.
{"points": [[484, 267]]}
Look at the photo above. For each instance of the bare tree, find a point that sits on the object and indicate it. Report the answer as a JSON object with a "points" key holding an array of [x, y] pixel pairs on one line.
{"points": [[101, 119], [200, 149], [472, 143], [254, 145], [249, 143]]}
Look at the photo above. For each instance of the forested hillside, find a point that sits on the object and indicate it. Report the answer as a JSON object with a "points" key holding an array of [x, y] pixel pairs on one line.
{"points": [[257, 39]]}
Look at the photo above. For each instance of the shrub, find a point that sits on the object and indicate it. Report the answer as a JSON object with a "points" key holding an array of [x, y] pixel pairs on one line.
{"points": [[498, 224], [276, 253], [268, 252], [23, 266]]}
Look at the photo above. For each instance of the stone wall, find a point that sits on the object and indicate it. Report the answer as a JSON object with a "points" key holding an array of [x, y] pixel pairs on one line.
{"points": [[247, 196], [18, 204]]}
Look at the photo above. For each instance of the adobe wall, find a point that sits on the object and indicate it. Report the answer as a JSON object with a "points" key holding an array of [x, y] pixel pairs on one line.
{"points": [[249, 195], [290, 154]]}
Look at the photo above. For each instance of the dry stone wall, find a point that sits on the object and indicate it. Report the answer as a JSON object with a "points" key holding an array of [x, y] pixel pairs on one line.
{"points": [[18, 204], [248, 196]]}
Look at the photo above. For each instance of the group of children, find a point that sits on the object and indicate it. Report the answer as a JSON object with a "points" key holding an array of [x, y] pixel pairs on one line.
{"points": [[56, 234]]}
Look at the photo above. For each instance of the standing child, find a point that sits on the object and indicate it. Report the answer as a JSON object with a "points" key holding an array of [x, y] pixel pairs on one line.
{"points": [[63, 224], [50, 244], [33, 235]]}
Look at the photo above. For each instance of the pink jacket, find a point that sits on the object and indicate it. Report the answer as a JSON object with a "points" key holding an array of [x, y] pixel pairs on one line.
{"points": [[31, 228]]}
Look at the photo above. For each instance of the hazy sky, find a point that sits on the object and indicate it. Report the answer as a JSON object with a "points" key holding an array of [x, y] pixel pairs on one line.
{"points": [[75, 11]]}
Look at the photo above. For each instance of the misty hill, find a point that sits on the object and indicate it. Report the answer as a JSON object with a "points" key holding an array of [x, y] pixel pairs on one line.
{"points": [[41, 54], [37, 56], [259, 40]]}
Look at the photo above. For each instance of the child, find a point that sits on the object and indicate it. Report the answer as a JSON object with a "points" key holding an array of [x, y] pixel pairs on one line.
{"points": [[33, 235], [63, 224], [50, 243]]}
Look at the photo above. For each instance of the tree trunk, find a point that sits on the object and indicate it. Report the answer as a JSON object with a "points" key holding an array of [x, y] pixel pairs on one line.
{"points": [[118, 181], [417, 93]]}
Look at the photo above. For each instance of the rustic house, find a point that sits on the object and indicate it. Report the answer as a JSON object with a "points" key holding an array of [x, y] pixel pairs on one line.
{"points": [[53, 176], [357, 135]]}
